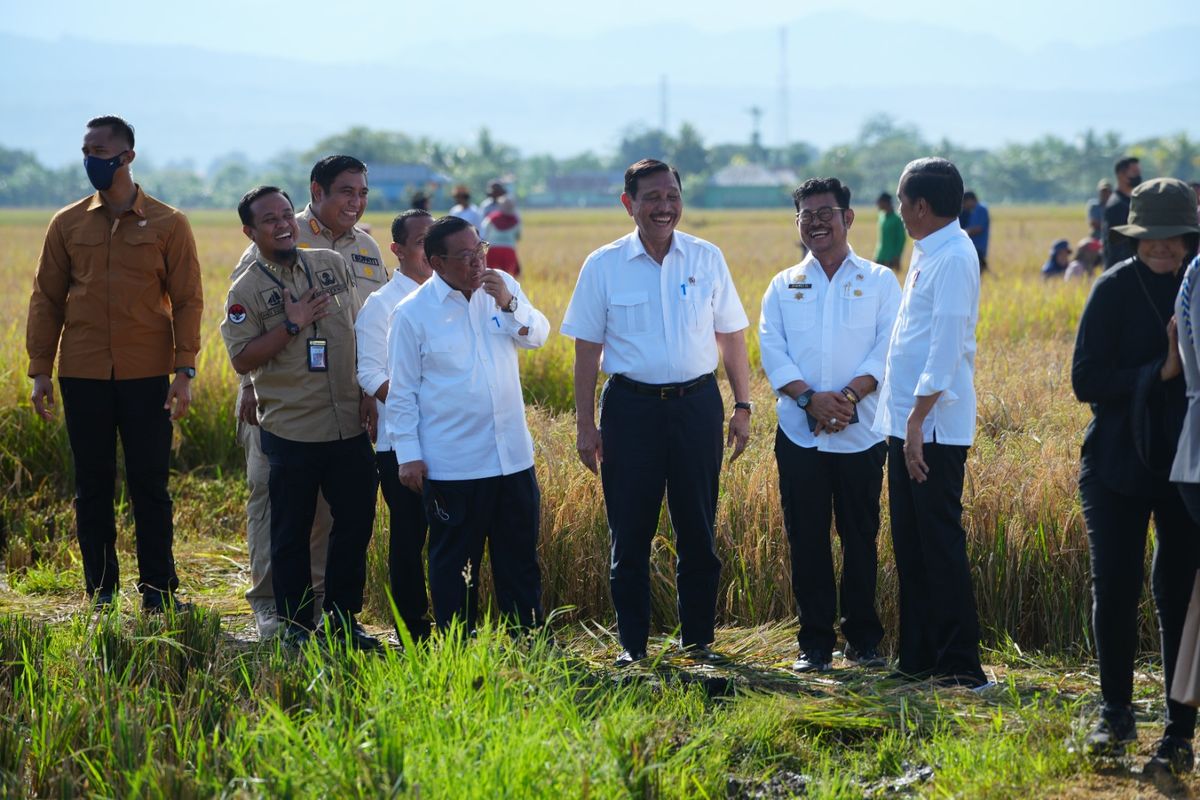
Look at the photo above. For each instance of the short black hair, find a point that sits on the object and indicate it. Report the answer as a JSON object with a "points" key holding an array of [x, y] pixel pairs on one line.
{"points": [[643, 168], [1124, 164], [248, 200], [822, 186], [325, 171], [883, 196], [439, 231], [400, 223], [119, 126], [968, 195], [936, 181]]}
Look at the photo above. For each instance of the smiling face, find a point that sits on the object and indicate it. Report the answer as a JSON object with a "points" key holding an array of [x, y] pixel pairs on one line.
{"points": [[412, 253], [825, 238], [464, 263], [274, 229], [657, 208], [1163, 255], [345, 202]]}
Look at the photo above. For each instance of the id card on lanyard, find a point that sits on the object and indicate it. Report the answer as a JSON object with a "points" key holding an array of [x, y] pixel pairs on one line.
{"points": [[318, 347]]}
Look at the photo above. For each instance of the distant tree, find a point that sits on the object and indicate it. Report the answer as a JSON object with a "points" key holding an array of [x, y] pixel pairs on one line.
{"points": [[688, 152], [639, 142]]}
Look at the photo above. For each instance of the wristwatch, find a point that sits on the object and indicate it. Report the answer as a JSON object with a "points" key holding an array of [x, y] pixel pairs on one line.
{"points": [[512, 305], [292, 328], [749, 407], [804, 399], [189, 371]]}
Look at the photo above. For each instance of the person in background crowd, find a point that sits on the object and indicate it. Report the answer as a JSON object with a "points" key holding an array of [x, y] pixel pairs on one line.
{"points": [[1088, 254], [332, 220], [1116, 212], [927, 411], [465, 209], [1095, 208], [495, 191], [659, 306], [823, 333], [456, 419], [977, 222], [313, 418], [419, 201], [889, 248], [406, 514], [1058, 260], [117, 298], [1127, 367], [502, 231]]}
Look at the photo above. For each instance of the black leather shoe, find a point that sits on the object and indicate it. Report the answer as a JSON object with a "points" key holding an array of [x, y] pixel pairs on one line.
{"points": [[1172, 756], [813, 661], [295, 636], [628, 658], [868, 657], [1115, 729], [102, 599], [703, 653], [161, 603], [353, 634]]}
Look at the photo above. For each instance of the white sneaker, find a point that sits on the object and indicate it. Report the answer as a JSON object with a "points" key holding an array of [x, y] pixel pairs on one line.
{"points": [[268, 624]]}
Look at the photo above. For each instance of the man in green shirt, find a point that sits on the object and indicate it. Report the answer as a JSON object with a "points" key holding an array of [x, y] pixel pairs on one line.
{"points": [[891, 234]]}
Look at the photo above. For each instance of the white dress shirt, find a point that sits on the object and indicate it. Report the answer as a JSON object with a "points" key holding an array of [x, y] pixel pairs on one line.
{"points": [[371, 328], [455, 396], [826, 333], [470, 213], [656, 322], [933, 343]]}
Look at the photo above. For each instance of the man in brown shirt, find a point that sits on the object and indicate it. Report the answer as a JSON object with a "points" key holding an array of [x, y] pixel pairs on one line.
{"points": [[338, 186], [117, 299], [289, 324]]}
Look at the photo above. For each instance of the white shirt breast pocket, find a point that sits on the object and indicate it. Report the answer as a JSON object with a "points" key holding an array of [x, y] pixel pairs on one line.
{"points": [[799, 313], [629, 313], [859, 310], [446, 354]]}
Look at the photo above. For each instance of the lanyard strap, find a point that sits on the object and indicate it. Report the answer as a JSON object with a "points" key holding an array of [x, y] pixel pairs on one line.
{"points": [[282, 288]]}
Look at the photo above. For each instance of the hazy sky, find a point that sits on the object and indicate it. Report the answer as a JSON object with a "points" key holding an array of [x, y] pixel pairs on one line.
{"points": [[239, 26]]}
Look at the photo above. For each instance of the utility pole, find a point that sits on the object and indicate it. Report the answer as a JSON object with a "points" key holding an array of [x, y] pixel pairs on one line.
{"points": [[755, 113]]}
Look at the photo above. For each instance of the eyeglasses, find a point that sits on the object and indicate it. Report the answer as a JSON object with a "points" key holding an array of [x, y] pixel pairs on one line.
{"points": [[468, 256], [824, 214]]}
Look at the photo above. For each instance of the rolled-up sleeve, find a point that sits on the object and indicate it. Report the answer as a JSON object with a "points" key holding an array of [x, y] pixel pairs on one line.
{"points": [[772, 342], [527, 316], [404, 370]]}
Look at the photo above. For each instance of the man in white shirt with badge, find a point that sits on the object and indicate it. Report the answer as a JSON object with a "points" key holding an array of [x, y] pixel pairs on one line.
{"points": [[659, 306], [823, 335], [406, 514], [927, 411], [456, 419]]}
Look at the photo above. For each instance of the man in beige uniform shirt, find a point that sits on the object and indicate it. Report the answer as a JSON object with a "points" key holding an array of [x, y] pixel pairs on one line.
{"points": [[289, 324], [338, 185]]}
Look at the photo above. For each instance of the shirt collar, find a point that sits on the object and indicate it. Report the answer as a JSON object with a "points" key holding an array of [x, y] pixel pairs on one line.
{"points": [[440, 288], [138, 207], [308, 219], [279, 268], [810, 263], [939, 237], [634, 246]]}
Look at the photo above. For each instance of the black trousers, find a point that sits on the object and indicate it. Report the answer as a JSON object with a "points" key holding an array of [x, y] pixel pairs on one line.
{"points": [[344, 471], [813, 487], [939, 628], [95, 412], [651, 445], [1116, 527], [506, 512], [407, 526]]}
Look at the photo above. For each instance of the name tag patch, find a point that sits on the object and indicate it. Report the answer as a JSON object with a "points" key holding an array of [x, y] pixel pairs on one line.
{"points": [[365, 259], [799, 285]]}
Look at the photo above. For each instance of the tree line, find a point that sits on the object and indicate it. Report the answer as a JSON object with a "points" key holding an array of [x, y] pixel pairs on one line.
{"points": [[1050, 169]]}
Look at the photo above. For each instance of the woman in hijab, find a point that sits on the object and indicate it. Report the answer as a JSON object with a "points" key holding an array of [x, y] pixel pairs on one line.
{"points": [[1060, 257], [1127, 366]]}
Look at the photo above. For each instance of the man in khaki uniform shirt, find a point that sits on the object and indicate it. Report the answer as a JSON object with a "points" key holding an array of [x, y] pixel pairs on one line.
{"points": [[117, 298], [289, 324], [339, 199]]}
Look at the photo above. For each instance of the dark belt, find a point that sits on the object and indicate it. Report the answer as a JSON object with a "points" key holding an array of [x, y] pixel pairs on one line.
{"points": [[664, 391]]}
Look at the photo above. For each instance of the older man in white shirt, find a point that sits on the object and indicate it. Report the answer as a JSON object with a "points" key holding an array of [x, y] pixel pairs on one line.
{"points": [[927, 411], [456, 419], [406, 513], [659, 306], [823, 334]]}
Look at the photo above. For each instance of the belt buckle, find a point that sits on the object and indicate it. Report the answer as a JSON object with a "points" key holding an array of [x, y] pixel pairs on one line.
{"points": [[664, 392]]}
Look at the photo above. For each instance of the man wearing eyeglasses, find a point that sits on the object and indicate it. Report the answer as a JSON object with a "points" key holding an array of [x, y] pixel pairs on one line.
{"points": [[289, 325], [117, 299], [338, 187], [659, 306], [823, 334], [456, 419]]}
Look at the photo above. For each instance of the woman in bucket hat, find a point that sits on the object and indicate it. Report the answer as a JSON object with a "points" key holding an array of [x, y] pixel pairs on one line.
{"points": [[1127, 366]]}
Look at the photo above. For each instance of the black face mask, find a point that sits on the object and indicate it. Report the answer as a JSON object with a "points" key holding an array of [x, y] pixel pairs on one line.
{"points": [[100, 171], [1134, 180]]}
